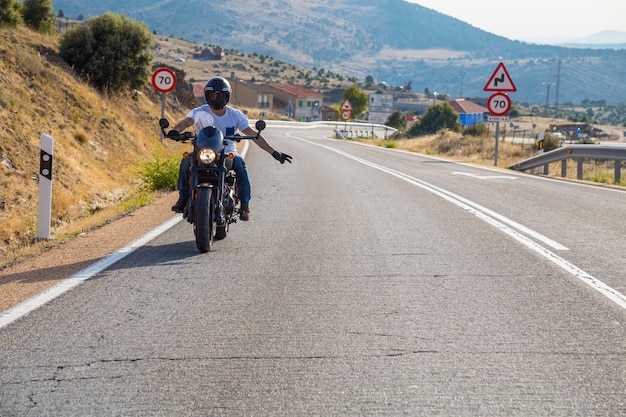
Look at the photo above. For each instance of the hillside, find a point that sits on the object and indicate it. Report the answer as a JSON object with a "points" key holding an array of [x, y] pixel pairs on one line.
{"points": [[98, 140], [247, 66], [391, 40]]}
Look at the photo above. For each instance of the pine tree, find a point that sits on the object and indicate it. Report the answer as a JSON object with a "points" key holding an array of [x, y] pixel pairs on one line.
{"points": [[10, 13], [39, 15]]}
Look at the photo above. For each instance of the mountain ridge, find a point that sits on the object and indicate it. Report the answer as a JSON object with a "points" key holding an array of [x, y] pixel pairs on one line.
{"points": [[392, 40], [606, 39]]}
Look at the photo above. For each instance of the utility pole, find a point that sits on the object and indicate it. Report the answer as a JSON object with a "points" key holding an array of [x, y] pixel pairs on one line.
{"points": [[558, 88], [547, 108], [461, 93]]}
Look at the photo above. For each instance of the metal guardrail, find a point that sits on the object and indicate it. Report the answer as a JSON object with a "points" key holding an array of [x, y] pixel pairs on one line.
{"points": [[579, 153], [343, 130]]}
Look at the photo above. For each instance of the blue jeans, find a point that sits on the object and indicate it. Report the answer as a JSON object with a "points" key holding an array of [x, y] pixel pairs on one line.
{"points": [[244, 191]]}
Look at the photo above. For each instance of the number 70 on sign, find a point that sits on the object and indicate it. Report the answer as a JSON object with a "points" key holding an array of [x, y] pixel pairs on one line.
{"points": [[163, 80], [499, 104]]}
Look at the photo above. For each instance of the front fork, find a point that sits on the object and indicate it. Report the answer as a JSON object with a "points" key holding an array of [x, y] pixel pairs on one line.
{"points": [[216, 192]]}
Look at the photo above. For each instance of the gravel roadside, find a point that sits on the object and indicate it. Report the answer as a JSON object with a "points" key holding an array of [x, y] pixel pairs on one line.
{"points": [[34, 275]]}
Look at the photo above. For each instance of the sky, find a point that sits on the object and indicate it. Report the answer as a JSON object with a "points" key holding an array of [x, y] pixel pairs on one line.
{"points": [[545, 21]]}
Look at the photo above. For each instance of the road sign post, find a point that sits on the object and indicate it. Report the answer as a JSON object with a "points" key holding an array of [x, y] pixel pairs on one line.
{"points": [[164, 81], [499, 103], [500, 81], [346, 105]]}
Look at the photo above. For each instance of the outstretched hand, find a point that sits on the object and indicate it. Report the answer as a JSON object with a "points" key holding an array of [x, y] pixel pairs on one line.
{"points": [[281, 157]]}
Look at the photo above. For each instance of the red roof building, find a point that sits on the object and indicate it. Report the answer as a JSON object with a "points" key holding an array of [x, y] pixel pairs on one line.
{"points": [[469, 113], [299, 102]]}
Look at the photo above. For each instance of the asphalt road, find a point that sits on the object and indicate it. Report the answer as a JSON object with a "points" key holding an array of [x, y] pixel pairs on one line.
{"points": [[369, 282]]}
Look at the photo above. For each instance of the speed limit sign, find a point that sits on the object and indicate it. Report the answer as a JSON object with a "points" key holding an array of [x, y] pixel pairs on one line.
{"points": [[164, 80], [499, 104], [345, 115]]}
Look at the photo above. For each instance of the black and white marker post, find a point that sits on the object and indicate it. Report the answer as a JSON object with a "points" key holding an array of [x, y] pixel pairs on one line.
{"points": [[45, 187]]}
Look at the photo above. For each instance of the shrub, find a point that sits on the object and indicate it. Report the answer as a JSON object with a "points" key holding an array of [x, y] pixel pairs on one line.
{"points": [[478, 130], [112, 52], [39, 15], [437, 117], [551, 142], [160, 173]]}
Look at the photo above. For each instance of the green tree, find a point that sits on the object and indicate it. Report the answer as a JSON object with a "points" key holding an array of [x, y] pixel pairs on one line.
{"points": [[10, 13], [369, 81], [437, 117], [112, 52], [357, 98], [396, 120], [39, 15]]}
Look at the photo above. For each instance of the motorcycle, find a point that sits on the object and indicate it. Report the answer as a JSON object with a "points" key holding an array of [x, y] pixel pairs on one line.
{"points": [[213, 203]]}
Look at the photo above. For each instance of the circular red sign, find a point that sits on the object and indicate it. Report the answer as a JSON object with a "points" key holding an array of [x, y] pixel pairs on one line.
{"points": [[345, 115], [163, 80], [499, 104]]}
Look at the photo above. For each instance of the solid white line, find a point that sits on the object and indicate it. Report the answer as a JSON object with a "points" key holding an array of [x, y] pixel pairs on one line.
{"points": [[9, 316], [497, 221], [78, 278], [20, 310]]}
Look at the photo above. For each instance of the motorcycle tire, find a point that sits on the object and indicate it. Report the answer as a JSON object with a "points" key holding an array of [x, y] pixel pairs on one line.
{"points": [[205, 226]]}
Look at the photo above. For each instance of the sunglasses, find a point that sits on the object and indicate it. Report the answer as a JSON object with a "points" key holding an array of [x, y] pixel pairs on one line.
{"points": [[216, 95]]}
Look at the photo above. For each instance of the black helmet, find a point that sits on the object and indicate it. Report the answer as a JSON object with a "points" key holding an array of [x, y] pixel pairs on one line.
{"points": [[217, 92]]}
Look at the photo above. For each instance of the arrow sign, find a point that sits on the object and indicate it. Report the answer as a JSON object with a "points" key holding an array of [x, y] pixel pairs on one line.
{"points": [[500, 80]]}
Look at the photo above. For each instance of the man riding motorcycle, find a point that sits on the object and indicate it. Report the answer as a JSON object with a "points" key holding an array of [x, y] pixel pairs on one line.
{"points": [[229, 121]]}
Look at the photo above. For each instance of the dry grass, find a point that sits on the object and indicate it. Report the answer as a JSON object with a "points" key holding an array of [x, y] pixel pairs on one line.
{"points": [[96, 141], [481, 151], [452, 145]]}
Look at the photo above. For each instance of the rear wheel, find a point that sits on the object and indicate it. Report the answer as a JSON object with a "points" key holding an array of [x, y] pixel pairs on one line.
{"points": [[204, 222]]}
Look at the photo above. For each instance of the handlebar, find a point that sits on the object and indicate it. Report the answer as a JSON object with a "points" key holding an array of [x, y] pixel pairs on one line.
{"points": [[184, 136], [238, 138]]}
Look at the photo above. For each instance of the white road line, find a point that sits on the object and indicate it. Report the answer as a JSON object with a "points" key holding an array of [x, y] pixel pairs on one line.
{"points": [[24, 308], [495, 220], [9, 316]]}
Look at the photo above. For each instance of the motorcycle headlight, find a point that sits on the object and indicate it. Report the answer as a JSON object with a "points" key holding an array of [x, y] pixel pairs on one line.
{"points": [[206, 156]]}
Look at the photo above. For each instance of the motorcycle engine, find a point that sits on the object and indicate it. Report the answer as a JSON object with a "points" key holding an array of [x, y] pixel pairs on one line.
{"points": [[229, 201]]}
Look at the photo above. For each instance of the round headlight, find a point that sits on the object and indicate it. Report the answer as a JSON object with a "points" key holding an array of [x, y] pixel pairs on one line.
{"points": [[206, 156]]}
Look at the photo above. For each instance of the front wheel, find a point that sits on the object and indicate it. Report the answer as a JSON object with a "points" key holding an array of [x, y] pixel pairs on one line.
{"points": [[204, 222]]}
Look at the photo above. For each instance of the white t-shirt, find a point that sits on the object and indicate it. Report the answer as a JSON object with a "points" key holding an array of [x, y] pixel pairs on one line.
{"points": [[230, 123]]}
